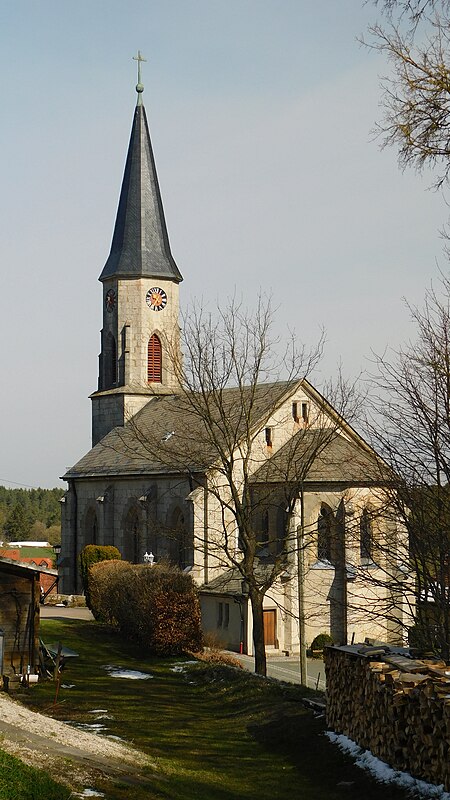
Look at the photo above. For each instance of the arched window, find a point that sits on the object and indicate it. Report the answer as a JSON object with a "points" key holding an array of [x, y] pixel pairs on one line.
{"points": [[178, 540], [365, 537], [154, 360], [265, 528], [325, 534], [282, 522], [133, 550], [91, 527], [110, 356]]}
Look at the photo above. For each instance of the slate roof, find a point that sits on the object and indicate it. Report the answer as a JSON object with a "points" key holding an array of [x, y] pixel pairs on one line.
{"points": [[321, 456], [140, 245], [168, 436], [229, 582], [232, 583]]}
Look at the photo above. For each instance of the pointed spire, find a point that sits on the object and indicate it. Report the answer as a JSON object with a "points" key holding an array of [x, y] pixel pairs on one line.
{"points": [[140, 245]]}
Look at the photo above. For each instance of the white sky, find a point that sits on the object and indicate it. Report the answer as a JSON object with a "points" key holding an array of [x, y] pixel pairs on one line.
{"points": [[260, 114]]}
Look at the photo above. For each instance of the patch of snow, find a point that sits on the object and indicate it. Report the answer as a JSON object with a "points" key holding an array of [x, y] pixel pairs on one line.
{"points": [[54, 730], [67, 686], [90, 727], [384, 773], [88, 793], [130, 674], [99, 711]]}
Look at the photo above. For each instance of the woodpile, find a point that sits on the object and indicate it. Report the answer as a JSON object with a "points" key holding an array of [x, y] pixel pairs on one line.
{"points": [[394, 706]]}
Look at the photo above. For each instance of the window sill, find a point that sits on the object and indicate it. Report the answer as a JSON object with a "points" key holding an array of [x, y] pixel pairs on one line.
{"points": [[322, 565]]}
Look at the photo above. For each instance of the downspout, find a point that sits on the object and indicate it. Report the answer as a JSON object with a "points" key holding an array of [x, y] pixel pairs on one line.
{"points": [[343, 533], [205, 530], [75, 536]]}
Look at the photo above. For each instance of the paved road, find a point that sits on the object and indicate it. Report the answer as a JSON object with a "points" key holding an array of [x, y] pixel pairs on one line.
{"points": [[287, 668], [58, 612]]}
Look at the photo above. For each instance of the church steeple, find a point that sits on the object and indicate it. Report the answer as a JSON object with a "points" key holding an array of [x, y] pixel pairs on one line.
{"points": [[140, 340], [140, 245]]}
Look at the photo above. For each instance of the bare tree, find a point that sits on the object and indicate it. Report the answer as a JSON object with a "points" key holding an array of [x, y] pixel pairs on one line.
{"points": [[411, 11], [411, 429], [416, 97], [233, 381]]}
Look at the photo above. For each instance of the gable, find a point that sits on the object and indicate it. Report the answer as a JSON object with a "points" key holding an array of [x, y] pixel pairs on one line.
{"points": [[321, 456], [168, 436]]}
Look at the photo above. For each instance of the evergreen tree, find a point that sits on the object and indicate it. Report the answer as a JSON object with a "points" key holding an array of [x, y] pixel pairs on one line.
{"points": [[18, 524]]}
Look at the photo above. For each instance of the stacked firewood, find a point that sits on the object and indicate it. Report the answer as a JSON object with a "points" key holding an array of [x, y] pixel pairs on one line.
{"points": [[396, 707]]}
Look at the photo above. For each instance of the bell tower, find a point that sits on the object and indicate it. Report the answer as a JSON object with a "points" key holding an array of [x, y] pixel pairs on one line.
{"points": [[140, 351]]}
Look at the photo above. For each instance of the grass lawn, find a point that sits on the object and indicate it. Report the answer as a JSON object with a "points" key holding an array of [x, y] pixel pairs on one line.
{"points": [[213, 733], [19, 782], [36, 552]]}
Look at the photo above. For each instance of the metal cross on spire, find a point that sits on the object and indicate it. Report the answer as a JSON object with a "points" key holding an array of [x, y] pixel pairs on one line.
{"points": [[139, 85]]}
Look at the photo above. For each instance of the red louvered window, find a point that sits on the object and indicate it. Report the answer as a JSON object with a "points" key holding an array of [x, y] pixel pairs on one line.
{"points": [[154, 363]]}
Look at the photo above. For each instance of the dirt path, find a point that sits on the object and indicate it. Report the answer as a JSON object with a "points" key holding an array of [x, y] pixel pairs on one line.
{"points": [[47, 743]]}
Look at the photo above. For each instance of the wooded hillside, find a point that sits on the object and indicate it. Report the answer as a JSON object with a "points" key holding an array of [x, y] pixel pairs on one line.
{"points": [[30, 514]]}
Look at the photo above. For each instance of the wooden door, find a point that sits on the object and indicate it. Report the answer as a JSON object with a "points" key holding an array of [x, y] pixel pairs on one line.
{"points": [[270, 628]]}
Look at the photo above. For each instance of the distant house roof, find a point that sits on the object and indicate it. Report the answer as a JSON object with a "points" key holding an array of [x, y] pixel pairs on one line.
{"points": [[13, 554], [29, 544]]}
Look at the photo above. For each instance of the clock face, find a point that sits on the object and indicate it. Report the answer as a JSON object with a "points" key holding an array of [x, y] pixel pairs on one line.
{"points": [[110, 300], [156, 299]]}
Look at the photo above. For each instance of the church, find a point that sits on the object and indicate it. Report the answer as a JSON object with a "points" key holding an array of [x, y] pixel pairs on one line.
{"points": [[150, 489]]}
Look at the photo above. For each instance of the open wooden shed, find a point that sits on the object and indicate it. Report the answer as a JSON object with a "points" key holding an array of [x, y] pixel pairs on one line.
{"points": [[19, 616]]}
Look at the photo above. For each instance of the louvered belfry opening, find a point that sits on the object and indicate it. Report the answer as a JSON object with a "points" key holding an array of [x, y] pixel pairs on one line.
{"points": [[154, 368], [110, 361]]}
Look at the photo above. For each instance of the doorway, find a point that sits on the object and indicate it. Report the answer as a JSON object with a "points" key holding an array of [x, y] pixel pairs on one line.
{"points": [[270, 628]]}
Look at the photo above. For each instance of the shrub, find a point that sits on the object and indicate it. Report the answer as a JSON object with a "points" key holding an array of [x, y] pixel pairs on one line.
{"points": [[321, 641], [92, 554], [213, 641], [156, 606], [216, 657], [104, 580]]}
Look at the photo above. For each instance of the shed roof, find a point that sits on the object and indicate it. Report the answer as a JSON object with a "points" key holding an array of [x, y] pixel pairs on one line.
{"points": [[232, 583], [20, 567]]}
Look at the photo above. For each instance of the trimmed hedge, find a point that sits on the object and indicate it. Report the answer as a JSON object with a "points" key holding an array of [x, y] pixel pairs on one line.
{"points": [[321, 641], [157, 606], [92, 554]]}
